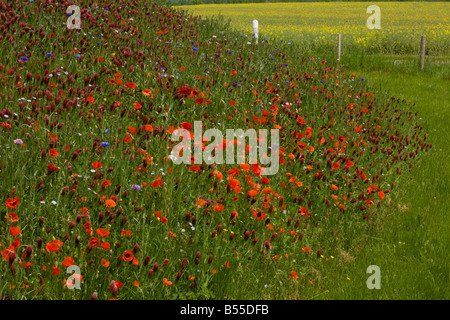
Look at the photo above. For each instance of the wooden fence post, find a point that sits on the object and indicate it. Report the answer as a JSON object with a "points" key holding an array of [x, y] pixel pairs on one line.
{"points": [[422, 53], [255, 30], [339, 48]]}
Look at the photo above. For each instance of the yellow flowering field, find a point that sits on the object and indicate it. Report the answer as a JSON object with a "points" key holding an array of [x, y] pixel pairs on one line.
{"points": [[316, 25]]}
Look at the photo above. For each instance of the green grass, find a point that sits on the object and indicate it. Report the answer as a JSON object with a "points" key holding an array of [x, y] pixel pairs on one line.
{"points": [[410, 245]]}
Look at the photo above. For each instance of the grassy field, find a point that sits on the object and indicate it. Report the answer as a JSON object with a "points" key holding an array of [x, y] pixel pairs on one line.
{"points": [[316, 25], [411, 245], [88, 177]]}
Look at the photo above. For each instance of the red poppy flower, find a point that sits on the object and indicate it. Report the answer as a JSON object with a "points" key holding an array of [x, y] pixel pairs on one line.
{"points": [[55, 271], [12, 203], [148, 127], [106, 183], [68, 262], [97, 165], [130, 85], [15, 231], [93, 242], [12, 216], [127, 255], [194, 168], [126, 233], [103, 232], [105, 263], [53, 153], [54, 246], [110, 203], [186, 125], [105, 245]]}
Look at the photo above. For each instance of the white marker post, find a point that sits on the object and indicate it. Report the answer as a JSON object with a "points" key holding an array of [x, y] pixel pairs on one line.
{"points": [[255, 30], [422, 52], [339, 48]]}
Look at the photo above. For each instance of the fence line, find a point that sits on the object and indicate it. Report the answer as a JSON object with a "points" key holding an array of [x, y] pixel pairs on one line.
{"points": [[339, 43]]}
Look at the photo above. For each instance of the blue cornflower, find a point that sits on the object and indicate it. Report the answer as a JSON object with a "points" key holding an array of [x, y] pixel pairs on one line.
{"points": [[195, 48], [24, 58], [104, 144]]}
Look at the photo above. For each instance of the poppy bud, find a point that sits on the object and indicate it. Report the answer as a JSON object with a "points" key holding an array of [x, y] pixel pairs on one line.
{"points": [[94, 296], [156, 266], [267, 244], [136, 248], [183, 264], [12, 256], [13, 270], [188, 216], [78, 218], [192, 285], [124, 219], [101, 215], [214, 233], [119, 260], [150, 273], [113, 288], [289, 221], [210, 259], [43, 154], [146, 260], [179, 274], [255, 240], [219, 228], [77, 239], [231, 236], [66, 237], [319, 253], [41, 220], [28, 251], [39, 243], [246, 234]]}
